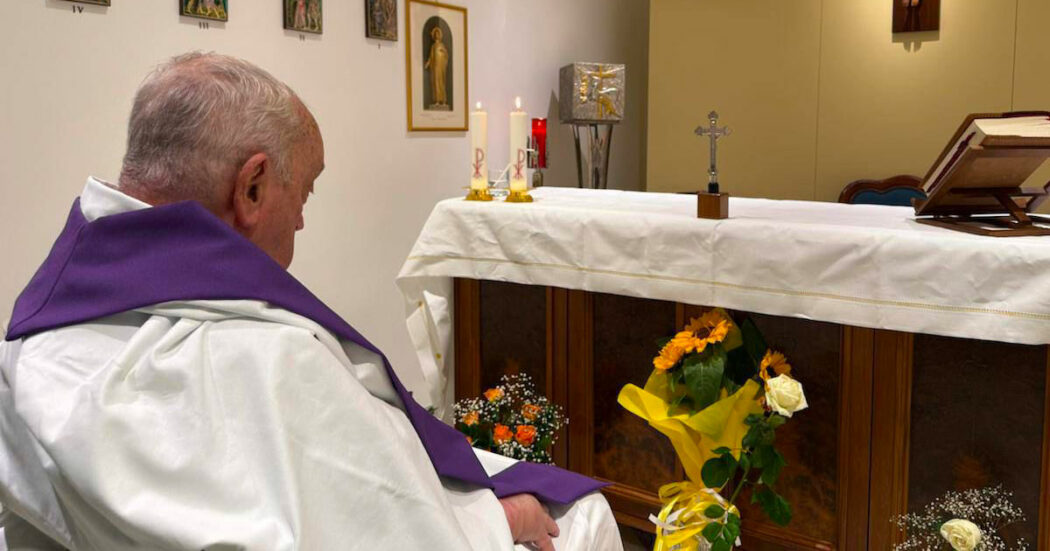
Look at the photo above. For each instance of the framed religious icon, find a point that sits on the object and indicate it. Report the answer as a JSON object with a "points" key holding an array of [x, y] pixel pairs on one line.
{"points": [[436, 59], [304, 16], [912, 16], [381, 19], [216, 10]]}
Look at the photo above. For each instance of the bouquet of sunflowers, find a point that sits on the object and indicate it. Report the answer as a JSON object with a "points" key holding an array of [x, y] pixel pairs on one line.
{"points": [[511, 420], [719, 394]]}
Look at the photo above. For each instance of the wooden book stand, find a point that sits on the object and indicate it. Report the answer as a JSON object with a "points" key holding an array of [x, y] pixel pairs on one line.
{"points": [[981, 193]]}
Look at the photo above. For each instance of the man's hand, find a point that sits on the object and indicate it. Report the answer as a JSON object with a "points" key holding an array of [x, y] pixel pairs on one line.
{"points": [[529, 521]]}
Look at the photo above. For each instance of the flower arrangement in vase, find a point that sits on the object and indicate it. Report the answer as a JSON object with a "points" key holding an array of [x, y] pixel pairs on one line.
{"points": [[511, 419], [964, 520], [719, 394]]}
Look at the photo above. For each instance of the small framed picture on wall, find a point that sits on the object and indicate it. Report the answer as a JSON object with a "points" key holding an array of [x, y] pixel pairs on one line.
{"points": [[436, 58], [304, 16], [381, 19], [216, 10]]}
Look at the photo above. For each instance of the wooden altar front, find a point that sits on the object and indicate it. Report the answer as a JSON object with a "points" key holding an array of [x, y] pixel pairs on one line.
{"points": [[895, 419]]}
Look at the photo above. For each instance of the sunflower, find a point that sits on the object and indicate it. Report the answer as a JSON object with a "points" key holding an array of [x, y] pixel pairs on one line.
{"points": [[710, 328], [668, 357], [773, 361]]}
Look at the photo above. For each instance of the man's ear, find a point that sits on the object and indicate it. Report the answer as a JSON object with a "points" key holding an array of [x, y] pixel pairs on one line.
{"points": [[249, 190]]}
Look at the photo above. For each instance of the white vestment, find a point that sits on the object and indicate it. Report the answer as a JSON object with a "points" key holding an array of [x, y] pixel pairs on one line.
{"points": [[231, 425]]}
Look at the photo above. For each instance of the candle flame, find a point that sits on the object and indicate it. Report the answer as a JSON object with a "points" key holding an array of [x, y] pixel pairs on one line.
{"points": [[517, 102], [478, 106]]}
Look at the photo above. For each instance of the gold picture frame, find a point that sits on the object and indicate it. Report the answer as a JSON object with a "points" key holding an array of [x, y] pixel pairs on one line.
{"points": [[436, 65], [213, 10]]}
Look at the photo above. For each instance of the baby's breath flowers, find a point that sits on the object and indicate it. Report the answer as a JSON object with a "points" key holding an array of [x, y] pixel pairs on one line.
{"points": [[967, 520], [511, 419]]}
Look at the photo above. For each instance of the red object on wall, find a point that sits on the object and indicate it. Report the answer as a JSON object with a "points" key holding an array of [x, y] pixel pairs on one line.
{"points": [[539, 133]]}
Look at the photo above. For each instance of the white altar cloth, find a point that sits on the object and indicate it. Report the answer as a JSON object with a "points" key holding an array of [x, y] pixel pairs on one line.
{"points": [[861, 265]]}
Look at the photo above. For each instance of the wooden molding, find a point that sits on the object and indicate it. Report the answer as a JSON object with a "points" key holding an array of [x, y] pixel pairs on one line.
{"points": [[781, 538], [467, 322], [558, 363], [1044, 498], [580, 306], [891, 436], [855, 416]]}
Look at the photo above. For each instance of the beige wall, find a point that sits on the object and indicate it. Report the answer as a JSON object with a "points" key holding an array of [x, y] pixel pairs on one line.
{"points": [[820, 92], [67, 79]]}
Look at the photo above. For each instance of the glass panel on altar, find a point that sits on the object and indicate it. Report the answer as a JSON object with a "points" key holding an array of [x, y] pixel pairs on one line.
{"points": [[811, 444], [977, 420], [626, 448], [515, 320]]}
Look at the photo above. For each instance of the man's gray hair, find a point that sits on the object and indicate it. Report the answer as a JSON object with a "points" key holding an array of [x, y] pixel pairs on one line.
{"points": [[198, 118]]}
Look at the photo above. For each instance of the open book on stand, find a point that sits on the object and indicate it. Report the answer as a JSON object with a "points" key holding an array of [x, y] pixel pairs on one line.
{"points": [[977, 183]]}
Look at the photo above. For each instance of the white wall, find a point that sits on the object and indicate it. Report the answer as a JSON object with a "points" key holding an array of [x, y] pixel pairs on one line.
{"points": [[67, 80]]}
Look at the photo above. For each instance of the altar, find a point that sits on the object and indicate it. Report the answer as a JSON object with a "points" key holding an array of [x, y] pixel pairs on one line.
{"points": [[923, 351]]}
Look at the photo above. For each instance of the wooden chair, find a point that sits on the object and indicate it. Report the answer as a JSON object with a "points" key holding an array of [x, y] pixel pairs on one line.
{"points": [[896, 191]]}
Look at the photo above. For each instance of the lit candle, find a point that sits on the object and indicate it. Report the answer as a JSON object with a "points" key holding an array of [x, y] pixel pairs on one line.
{"points": [[539, 135], [479, 145], [519, 134]]}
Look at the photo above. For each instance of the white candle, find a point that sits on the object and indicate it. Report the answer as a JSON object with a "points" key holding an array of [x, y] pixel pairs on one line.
{"points": [[519, 134], [479, 146]]}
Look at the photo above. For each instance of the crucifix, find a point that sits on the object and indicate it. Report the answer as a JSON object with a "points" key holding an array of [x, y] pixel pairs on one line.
{"points": [[714, 132]]}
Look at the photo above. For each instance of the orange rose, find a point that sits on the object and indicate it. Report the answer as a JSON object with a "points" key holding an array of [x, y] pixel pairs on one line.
{"points": [[530, 411], [502, 434], [526, 435], [493, 394], [470, 419]]}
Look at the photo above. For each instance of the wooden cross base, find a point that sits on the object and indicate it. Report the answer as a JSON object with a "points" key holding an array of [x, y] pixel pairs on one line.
{"points": [[713, 206]]}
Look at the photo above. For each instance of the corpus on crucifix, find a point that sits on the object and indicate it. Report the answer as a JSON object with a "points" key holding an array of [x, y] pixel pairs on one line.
{"points": [[714, 132]]}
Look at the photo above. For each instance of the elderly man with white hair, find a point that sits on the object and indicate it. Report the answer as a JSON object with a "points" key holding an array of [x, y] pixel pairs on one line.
{"points": [[167, 384]]}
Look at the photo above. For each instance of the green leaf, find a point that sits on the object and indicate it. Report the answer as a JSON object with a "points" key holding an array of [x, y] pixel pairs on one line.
{"points": [[721, 451], [739, 366], [760, 434], [745, 462], [733, 520], [711, 531], [776, 421], [717, 471], [714, 512], [776, 508], [730, 385], [732, 531], [754, 342], [753, 419], [762, 456], [721, 545], [773, 468], [703, 376]]}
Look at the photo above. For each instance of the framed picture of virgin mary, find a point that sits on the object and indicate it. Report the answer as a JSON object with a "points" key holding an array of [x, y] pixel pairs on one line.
{"points": [[436, 59]]}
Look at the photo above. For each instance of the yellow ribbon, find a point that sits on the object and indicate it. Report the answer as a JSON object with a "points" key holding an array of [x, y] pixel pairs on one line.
{"points": [[682, 518]]}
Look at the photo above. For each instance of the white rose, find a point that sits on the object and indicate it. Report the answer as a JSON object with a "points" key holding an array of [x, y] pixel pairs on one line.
{"points": [[785, 395], [963, 535]]}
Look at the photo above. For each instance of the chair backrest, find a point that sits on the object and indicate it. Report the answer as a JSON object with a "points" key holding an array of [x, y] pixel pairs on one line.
{"points": [[896, 191]]}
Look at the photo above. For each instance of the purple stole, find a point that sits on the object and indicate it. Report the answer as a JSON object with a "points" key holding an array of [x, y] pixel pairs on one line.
{"points": [[181, 252]]}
